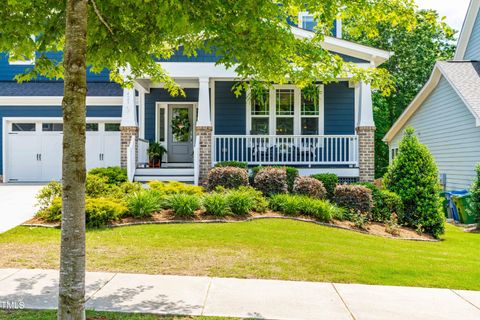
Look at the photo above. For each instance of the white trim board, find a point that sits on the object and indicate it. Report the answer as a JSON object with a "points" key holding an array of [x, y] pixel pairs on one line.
{"points": [[56, 101], [341, 172], [467, 29], [431, 84]]}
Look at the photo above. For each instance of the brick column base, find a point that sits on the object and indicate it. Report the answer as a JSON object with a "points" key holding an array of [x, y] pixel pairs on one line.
{"points": [[126, 134], [366, 148], [205, 134]]}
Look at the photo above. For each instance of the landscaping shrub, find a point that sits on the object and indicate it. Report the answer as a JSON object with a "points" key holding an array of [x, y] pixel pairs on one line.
{"points": [[310, 187], [97, 186], [297, 204], [114, 175], [329, 181], [100, 211], [216, 204], [240, 202], [354, 197], [227, 177], [143, 203], [236, 164], [475, 191], [292, 174], [185, 205], [175, 187], [271, 181], [385, 203], [413, 175], [260, 202], [47, 194]]}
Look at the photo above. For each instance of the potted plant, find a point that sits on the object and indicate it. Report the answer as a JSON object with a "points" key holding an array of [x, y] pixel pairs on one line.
{"points": [[155, 154]]}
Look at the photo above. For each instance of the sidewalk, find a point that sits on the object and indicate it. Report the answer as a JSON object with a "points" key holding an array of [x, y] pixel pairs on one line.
{"points": [[268, 299]]}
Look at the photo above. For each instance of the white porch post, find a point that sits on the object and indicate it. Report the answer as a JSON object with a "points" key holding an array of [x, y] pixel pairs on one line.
{"points": [[204, 130], [128, 125], [366, 134]]}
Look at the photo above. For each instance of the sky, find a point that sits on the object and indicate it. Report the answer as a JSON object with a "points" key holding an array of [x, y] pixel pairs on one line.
{"points": [[453, 10]]}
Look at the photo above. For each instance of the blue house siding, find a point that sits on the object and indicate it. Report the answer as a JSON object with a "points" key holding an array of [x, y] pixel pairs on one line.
{"points": [[55, 88], [162, 95], [339, 109], [473, 48], [201, 56], [49, 111], [230, 110], [8, 71]]}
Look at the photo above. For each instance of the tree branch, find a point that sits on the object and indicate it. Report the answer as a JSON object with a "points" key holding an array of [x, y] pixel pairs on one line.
{"points": [[99, 15]]}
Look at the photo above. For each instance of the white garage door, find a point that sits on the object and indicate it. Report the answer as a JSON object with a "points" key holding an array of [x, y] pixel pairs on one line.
{"points": [[34, 148]]}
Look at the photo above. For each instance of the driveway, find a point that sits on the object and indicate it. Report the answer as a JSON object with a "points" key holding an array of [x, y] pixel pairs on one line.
{"points": [[17, 204]]}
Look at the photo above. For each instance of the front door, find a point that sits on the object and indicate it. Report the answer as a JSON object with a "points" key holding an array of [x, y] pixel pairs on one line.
{"points": [[180, 133]]}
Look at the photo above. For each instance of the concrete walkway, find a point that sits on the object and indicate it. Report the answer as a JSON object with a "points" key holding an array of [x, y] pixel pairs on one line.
{"points": [[268, 299], [17, 204]]}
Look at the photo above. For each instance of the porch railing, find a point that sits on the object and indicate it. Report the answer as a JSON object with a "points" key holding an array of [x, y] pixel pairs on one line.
{"points": [[142, 152], [290, 150], [131, 163]]}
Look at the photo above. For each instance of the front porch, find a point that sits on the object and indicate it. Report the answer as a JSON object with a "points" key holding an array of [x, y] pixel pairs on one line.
{"points": [[332, 134]]}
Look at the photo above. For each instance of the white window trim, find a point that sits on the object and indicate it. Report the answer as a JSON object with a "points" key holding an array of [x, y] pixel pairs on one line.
{"points": [[297, 116], [30, 62]]}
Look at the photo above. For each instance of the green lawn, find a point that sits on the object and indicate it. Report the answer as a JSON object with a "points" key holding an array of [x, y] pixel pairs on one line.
{"points": [[273, 249], [48, 315]]}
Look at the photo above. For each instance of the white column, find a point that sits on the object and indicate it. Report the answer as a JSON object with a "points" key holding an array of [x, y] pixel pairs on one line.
{"points": [[365, 117], [141, 118], [204, 103], [128, 108]]}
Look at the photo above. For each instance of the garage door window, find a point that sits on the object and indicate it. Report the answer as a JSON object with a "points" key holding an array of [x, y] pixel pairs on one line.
{"points": [[92, 126], [52, 127], [110, 127], [19, 127]]}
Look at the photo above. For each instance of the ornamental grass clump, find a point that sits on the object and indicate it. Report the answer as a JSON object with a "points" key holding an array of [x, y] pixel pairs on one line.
{"points": [[143, 203], [294, 205], [271, 181], [185, 205], [216, 204], [354, 197], [309, 187], [413, 175], [240, 202], [227, 177]]}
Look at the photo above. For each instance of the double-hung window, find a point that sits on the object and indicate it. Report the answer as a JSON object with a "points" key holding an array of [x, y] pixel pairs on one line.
{"points": [[310, 111], [260, 113], [285, 111]]}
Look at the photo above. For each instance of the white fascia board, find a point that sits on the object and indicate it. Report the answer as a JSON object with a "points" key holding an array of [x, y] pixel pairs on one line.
{"points": [[56, 101], [467, 29], [374, 55], [414, 105]]}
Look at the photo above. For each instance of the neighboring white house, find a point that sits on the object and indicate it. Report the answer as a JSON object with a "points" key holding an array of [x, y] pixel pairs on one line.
{"points": [[446, 112]]}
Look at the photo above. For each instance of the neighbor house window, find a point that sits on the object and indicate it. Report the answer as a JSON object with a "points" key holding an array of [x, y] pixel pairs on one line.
{"points": [[285, 111], [260, 112]]}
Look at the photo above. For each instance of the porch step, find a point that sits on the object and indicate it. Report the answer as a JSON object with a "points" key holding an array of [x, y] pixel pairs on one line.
{"points": [[185, 179], [185, 174]]}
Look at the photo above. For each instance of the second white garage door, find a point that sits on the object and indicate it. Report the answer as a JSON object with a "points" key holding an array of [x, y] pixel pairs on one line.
{"points": [[34, 148]]}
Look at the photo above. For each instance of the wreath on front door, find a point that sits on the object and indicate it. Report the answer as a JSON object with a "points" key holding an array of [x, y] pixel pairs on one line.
{"points": [[181, 128]]}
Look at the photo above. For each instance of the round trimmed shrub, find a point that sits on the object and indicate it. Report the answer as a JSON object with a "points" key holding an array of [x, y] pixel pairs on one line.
{"points": [[413, 175], [100, 211], [329, 180], [271, 181], [354, 197], [236, 164], [309, 187], [385, 203], [114, 175], [227, 177]]}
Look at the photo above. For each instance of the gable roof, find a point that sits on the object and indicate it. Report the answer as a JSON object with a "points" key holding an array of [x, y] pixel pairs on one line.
{"points": [[463, 76], [374, 55], [467, 29]]}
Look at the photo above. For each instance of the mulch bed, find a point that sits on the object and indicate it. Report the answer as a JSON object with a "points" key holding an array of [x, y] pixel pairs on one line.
{"points": [[168, 217]]}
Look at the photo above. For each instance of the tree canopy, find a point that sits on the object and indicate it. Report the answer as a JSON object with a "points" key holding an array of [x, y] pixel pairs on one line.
{"points": [[253, 36], [416, 51]]}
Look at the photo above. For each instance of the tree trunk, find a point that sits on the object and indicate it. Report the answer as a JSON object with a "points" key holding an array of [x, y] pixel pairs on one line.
{"points": [[71, 303]]}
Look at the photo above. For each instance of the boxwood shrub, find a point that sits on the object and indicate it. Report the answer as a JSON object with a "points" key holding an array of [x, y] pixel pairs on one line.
{"points": [[329, 181], [175, 187], [114, 175], [385, 203], [227, 177], [236, 164]]}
